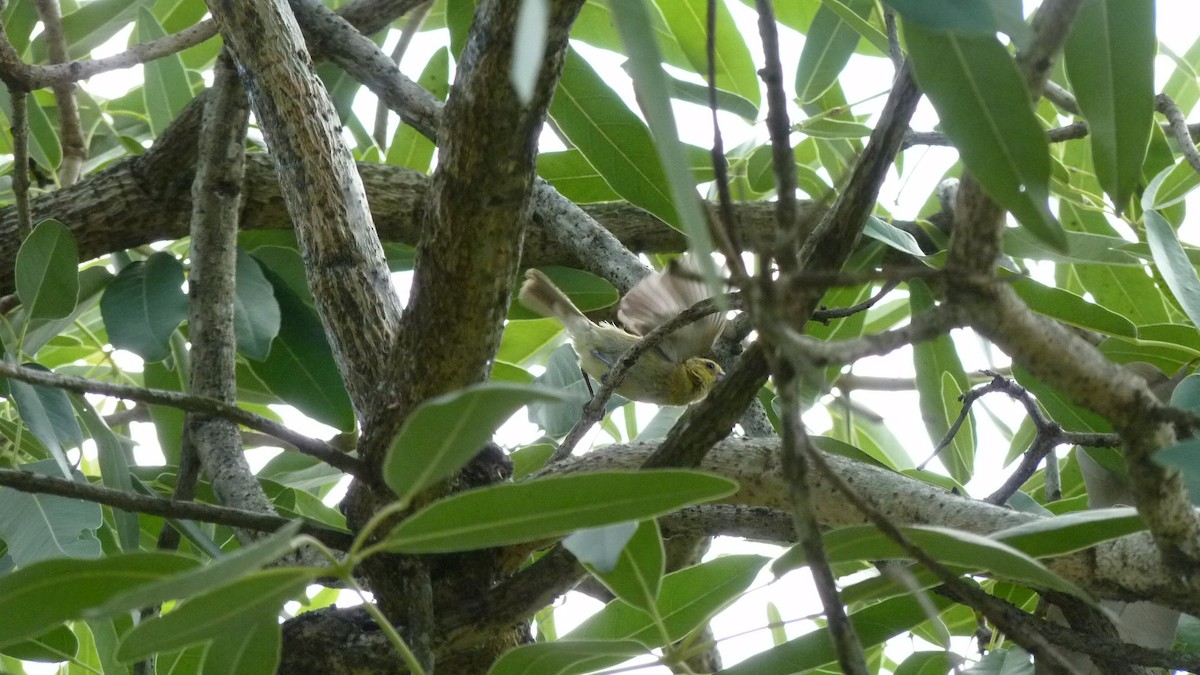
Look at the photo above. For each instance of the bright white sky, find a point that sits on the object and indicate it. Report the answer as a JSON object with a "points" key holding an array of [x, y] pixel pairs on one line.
{"points": [[742, 627]]}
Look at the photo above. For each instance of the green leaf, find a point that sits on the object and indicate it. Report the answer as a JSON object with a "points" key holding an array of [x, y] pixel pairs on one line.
{"points": [[1071, 532], [144, 305], [1179, 182], [168, 421], [50, 647], [255, 310], [1109, 56], [40, 527], [600, 547], [566, 656], [688, 23], [892, 236], [408, 147], [954, 16], [956, 548], [827, 49], [874, 625], [929, 663], [562, 374], [1173, 264], [523, 339], [1072, 309], [48, 414], [114, 462], [529, 459], [166, 86], [42, 595], [444, 433], [612, 138], [191, 582], [941, 379], [574, 177], [636, 575], [690, 92], [300, 369], [550, 507], [249, 647], [204, 617], [985, 109], [652, 86], [687, 600], [47, 271]]}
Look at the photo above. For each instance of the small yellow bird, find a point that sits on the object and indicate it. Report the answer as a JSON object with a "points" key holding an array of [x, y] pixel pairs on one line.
{"points": [[672, 373]]}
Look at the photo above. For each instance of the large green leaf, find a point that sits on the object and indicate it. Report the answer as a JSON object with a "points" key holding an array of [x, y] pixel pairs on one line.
{"points": [[549, 507], [246, 601], [612, 138], [1110, 60], [48, 414], [1072, 309], [144, 305], [40, 527], [247, 647], [574, 177], [985, 109], [941, 379], [166, 86], [113, 457], [255, 309], [47, 271], [444, 433], [191, 582], [566, 656], [688, 22], [42, 595], [636, 576], [979, 17], [49, 647], [300, 369], [1173, 264], [874, 625], [1071, 532], [827, 50], [687, 599]]}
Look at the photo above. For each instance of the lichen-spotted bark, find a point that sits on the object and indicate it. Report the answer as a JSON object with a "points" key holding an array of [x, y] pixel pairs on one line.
{"points": [[324, 195]]}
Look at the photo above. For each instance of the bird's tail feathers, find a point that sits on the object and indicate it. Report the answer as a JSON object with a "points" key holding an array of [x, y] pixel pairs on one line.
{"points": [[540, 295]]}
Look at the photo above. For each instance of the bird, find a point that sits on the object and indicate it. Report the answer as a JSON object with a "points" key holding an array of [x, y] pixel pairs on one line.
{"points": [[673, 372]]}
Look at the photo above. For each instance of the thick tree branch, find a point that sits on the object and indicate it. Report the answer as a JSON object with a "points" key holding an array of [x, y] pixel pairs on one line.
{"points": [[343, 256], [211, 288]]}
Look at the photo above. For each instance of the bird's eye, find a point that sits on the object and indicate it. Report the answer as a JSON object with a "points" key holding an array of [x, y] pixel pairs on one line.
{"points": [[710, 365]]}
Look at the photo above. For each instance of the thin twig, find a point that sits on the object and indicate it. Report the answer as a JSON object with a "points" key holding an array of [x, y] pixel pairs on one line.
{"points": [[895, 53], [795, 452], [411, 27], [188, 403], [21, 160], [1021, 632], [208, 513], [779, 127], [70, 129], [725, 223]]}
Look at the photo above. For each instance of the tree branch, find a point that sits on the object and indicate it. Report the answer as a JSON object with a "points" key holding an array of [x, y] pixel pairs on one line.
{"points": [[205, 406], [208, 513]]}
